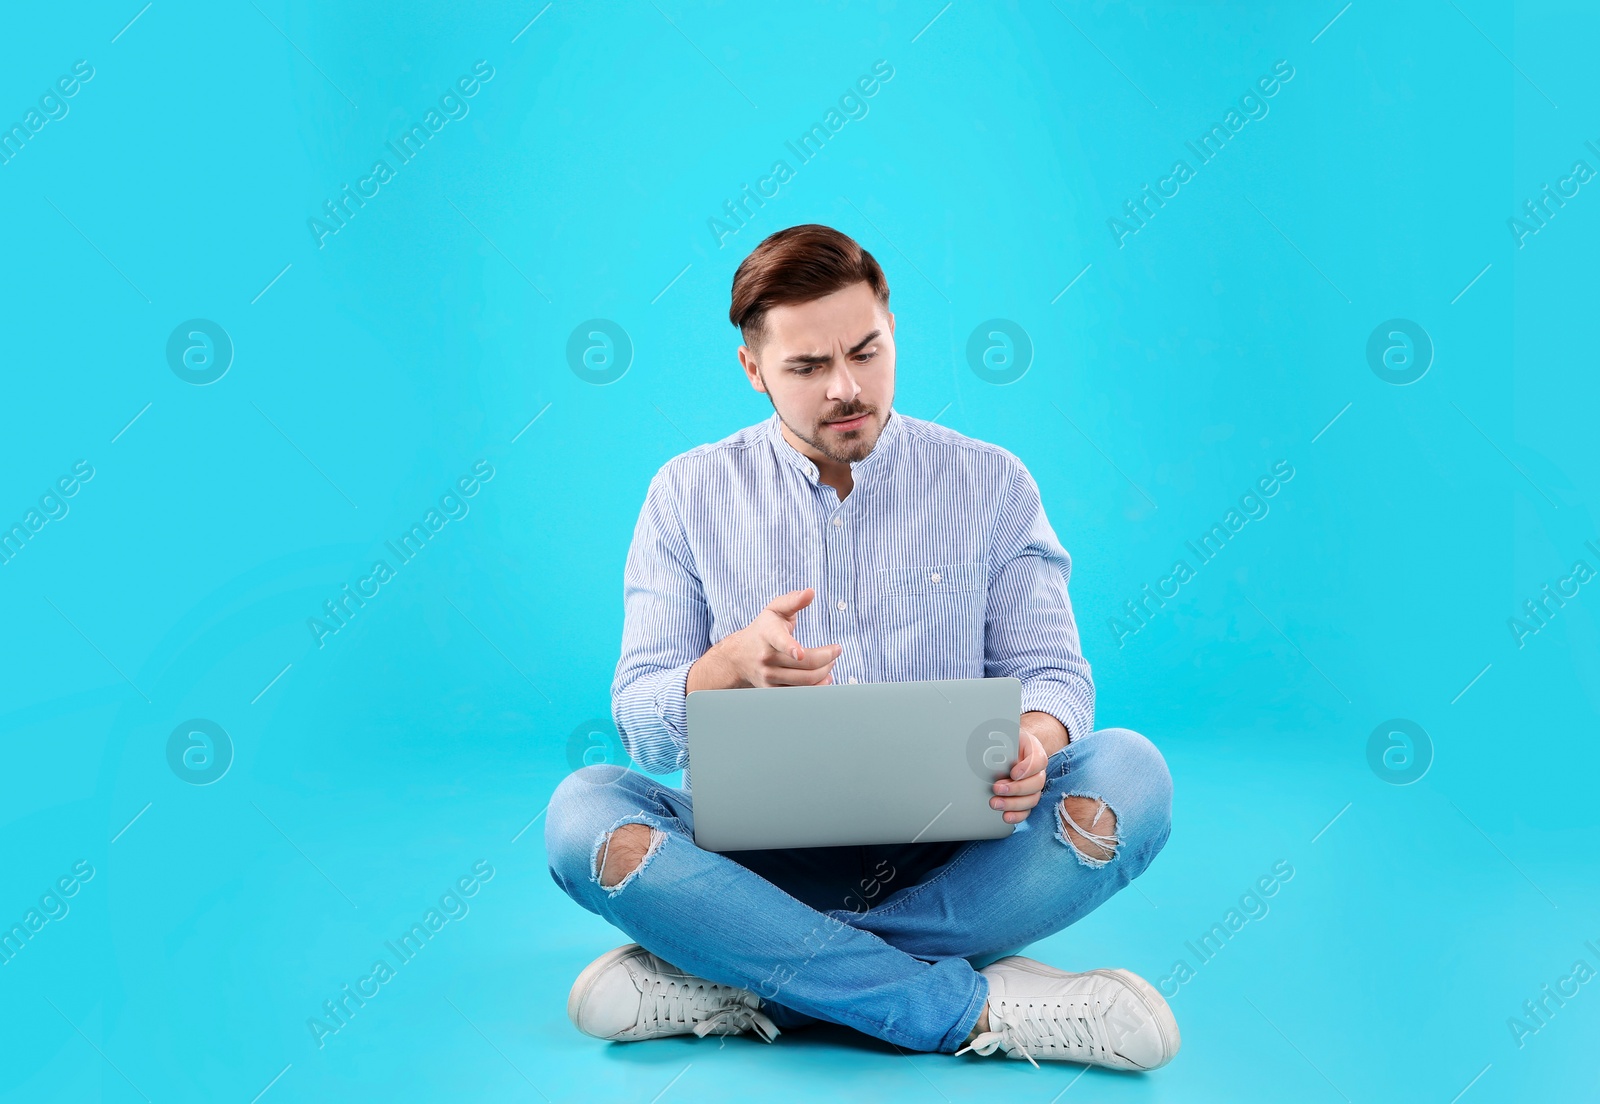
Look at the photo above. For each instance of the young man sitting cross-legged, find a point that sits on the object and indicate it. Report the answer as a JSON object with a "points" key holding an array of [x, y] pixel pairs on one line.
{"points": [[843, 541]]}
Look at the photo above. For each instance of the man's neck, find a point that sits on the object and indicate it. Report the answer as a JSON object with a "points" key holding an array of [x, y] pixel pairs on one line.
{"points": [[832, 472]]}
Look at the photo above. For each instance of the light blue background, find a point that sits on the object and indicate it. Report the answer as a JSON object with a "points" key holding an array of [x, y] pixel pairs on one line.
{"points": [[429, 332]]}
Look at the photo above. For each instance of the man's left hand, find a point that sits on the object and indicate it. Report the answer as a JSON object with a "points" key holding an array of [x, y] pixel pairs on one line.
{"points": [[1019, 793]]}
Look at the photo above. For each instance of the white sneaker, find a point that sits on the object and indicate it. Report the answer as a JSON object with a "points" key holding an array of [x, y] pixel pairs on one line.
{"points": [[629, 994], [1101, 1018]]}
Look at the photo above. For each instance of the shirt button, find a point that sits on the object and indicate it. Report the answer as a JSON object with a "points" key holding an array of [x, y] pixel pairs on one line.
{"points": [[852, 678], [934, 576], [841, 603], [838, 521]]}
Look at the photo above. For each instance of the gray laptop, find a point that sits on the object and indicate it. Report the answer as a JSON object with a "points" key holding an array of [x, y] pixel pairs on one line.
{"points": [[851, 763]]}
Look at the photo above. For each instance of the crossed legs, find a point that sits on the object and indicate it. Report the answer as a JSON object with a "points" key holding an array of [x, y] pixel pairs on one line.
{"points": [[902, 970]]}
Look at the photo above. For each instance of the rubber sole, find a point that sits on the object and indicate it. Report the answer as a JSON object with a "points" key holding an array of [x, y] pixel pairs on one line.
{"points": [[1148, 995]]}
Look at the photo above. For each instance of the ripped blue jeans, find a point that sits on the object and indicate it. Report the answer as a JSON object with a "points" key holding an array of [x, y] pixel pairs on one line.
{"points": [[887, 940]]}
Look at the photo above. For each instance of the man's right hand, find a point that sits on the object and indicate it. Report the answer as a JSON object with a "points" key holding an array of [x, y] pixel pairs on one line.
{"points": [[765, 652]]}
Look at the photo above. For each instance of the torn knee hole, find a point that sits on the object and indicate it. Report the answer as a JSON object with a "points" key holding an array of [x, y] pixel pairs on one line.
{"points": [[1089, 826], [622, 852]]}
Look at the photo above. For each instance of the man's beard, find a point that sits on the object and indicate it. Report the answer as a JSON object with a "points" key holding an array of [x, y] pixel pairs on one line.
{"points": [[851, 451]]}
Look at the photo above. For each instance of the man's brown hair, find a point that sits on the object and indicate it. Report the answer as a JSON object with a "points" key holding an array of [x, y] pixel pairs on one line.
{"points": [[797, 265]]}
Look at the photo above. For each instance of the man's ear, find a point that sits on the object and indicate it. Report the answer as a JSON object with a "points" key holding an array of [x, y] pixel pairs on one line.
{"points": [[891, 322], [751, 369]]}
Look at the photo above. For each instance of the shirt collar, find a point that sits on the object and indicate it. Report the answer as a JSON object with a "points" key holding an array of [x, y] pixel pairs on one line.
{"points": [[867, 469]]}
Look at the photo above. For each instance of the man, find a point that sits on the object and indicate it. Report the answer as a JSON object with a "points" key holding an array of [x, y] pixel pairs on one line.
{"points": [[843, 541]]}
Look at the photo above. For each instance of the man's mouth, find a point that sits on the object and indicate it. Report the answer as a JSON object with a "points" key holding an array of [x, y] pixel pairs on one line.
{"points": [[854, 422]]}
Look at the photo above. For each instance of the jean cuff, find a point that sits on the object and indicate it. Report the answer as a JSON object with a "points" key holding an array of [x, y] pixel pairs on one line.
{"points": [[957, 1036]]}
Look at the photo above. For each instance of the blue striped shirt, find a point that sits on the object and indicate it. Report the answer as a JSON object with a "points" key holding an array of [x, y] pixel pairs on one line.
{"points": [[938, 564]]}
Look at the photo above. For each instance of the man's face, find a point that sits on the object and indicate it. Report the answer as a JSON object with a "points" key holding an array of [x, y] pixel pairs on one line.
{"points": [[826, 361]]}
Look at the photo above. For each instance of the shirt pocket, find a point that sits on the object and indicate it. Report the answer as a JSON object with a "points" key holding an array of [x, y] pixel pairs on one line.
{"points": [[932, 619], [933, 580]]}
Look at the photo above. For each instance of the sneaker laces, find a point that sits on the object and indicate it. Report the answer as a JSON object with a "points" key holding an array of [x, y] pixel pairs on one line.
{"points": [[679, 1004], [735, 1019], [1044, 1024]]}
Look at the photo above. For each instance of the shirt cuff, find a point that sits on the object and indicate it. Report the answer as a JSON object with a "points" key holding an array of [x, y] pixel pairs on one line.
{"points": [[1063, 702], [672, 702], [652, 716]]}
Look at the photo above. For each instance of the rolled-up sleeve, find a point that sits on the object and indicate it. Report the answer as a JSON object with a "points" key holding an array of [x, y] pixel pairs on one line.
{"points": [[1029, 630], [666, 627]]}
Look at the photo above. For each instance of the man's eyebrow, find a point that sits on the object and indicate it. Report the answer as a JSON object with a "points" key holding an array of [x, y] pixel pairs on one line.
{"points": [[823, 358]]}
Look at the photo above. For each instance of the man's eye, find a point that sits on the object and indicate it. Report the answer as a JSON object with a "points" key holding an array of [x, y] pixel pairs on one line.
{"points": [[866, 356], [805, 370]]}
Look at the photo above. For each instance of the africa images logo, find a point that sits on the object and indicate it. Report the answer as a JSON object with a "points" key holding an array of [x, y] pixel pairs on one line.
{"points": [[852, 105], [1138, 211], [337, 213]]}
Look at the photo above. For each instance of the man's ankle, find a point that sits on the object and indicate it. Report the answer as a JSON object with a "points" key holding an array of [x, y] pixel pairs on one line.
{"points": [[980, 1027]]}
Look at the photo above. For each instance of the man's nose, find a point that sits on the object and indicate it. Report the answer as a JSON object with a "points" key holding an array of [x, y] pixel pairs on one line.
{"points": [[844, 385]]}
